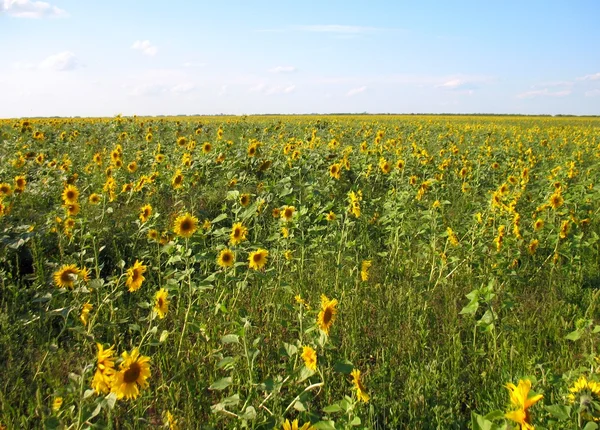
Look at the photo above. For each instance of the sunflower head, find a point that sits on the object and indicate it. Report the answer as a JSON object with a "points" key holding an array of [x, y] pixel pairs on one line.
{"points": [[327, 314], [145, 213], [185, 225], [288, 213], [361, 392], [161, 303], [309, 355], [226, 258], [258, 259], [66, 276], [245, 199], [135, 276], [238, 233], [132, 375]]}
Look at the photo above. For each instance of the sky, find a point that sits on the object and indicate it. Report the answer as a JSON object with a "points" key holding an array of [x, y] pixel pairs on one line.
{"points": [[103, 58]]}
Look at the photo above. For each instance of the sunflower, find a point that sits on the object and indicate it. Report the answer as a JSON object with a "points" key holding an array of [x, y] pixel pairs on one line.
{"points": [[294, 425], [105, 369], [177, 181], [69, 223], [556, 200], [132, 375], [149, 137], [97, 158], [153, 235], [161, 303], [85, 313], [288, 213], [132, 167], [361, 393], [276, 213], [309, 355], [533, 246], [66, 276], [564, 229], [400, 164], [182, 141], [252, 148], [331, 216], [519, 398], [94, 198], [226, 258], [84, 274], [145, 213], [20, 183], [335, 171], [185, 225], [206, 147], [73, 209], [413, 180], [365, 266], [587, 394], [238, 233], [538, 225], [327, 314], [258, 259], [245, 199], [159, 158], [385, 166], [5, 189], [135, 276], [57, 403]]}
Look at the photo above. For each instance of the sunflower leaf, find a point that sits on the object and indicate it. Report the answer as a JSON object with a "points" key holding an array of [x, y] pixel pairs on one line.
{"points": [[221, 384]]}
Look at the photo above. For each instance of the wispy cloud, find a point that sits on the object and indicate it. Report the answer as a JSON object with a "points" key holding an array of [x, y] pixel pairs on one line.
{"points": [[145, 47], [283, 69], [31, 9], [355, 91], [544, 93], [61, 62], [593, 77]]}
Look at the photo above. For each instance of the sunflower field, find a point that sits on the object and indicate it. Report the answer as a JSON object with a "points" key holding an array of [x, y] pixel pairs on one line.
{"points": [[300, 272]]}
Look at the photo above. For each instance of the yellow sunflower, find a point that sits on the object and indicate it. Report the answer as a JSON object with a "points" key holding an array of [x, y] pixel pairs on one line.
{"points": [[85, 313], [5, 189], [135, 276], [161, 303], [66, 276], [587, 394], [309, 355], [361, 392], [94, 199], [519, 398], [153, 235], [258, 259], [245, 199], [556, 200], [287, 213], [294, 425], [132, 375], [206, 147], [73, 209], [331, 216], [327, 314], [238, 233], [335, 171], [105, 369], [20, 183], [145, 213], [226, 258], [177, 181], [185, 225]]}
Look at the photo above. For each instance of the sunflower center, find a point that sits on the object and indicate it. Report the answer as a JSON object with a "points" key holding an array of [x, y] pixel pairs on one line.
{"points": [[186, 225], [160, 302], [327, 314], [257, 258], [132, 374], [70, 195], [226, 258], [136, 275], [65, 276]]}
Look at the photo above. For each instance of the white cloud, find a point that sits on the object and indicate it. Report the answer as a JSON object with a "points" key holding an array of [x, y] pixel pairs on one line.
{"points": [[289, 89], [31, 9], [145, 46], [283, 69], [355, 91], [61, 62], [594, 77], [593, 93], [257, 88], [544, 93]]}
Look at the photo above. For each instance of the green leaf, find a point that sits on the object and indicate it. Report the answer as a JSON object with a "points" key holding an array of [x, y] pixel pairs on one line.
{"points": [[590, 426], [574, 335], [219, 218], [332, 409], [111, 400], [561, 412], [249, 414], [344, 367], [355, 422], [226, 363], [230, 338], [325, 425], [221, 384], [470, 309], [163, 336]]}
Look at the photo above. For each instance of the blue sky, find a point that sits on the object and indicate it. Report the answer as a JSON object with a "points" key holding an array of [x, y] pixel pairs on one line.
{"points": [[101, 58]]}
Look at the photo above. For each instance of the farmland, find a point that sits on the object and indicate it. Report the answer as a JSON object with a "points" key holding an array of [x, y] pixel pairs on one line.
{"points": [[341, 271]]}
